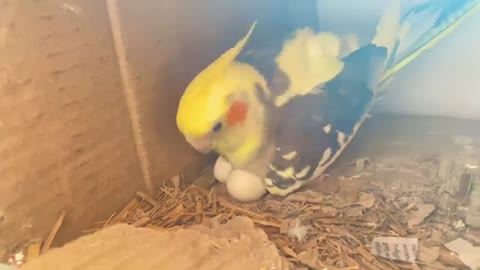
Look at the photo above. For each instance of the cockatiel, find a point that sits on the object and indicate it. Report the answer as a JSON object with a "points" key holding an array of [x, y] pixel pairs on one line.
{"points": [[279, 119]]}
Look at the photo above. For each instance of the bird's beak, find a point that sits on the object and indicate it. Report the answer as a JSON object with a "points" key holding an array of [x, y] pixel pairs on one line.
{"points": [[202, 144]]}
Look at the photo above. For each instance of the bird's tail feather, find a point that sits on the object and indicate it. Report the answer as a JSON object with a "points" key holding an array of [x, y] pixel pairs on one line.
{"points": [[447, 20], [388, 27], [437, 18]]}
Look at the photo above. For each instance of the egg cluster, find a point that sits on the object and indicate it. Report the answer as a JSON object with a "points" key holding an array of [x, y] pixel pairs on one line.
{"points": [[241, 185]]}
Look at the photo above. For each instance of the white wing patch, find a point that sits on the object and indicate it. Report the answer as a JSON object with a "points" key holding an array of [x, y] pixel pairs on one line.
{"points": [[341, 139], [290, 155], [327, 128], [308, 60], [357, 125], [303, 172], [287, 173], [268, 182], [326, 155], [271, 167]]}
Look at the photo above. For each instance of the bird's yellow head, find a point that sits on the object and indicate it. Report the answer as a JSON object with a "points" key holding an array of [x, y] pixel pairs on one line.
{"points": [[218, 101]]}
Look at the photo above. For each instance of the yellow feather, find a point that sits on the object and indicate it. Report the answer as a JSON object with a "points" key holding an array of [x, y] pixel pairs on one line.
{"points": [[224, 60], [203, 92], [244, 153], [240, 143], [207, 99], [308, 60]]}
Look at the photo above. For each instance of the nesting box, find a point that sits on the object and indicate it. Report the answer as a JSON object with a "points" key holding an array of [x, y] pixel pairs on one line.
{"points": [[88, 143]]}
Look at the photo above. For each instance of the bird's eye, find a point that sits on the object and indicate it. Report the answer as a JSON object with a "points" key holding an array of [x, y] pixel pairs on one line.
{"points": [[218, 126]]}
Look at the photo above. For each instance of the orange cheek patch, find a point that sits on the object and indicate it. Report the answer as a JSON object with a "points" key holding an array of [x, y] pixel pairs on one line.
{"points": [[237, 113]]}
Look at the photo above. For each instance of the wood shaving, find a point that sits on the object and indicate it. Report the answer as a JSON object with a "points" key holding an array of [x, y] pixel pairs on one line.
{"points": [[473, 237], [467, 253], [419, 215], [428, 255], [323, 230], [367, 200], [53, 233], [310, 259], [305, 197], [361, 164], [354, 211], [436, 236]]}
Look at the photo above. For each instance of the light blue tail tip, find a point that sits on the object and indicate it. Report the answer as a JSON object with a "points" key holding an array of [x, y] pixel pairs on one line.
{"points": [[450, 12]]}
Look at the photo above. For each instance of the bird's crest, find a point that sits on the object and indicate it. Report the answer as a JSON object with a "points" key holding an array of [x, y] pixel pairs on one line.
{"points": [[198, 95], [212, 71]]}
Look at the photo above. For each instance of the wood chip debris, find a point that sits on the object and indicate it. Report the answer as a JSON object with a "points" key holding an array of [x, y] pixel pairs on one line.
{"points": [[467, 253], [428, 255], [33, 250], [419, 215], [330, 230], [19, 254], [53, 233]]}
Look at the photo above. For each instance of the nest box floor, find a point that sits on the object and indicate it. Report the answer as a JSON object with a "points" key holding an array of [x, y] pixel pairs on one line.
{"points": [[330, 224]]}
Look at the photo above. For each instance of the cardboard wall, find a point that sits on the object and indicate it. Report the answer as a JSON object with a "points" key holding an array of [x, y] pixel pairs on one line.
{"points": [[65, 136], [86, 115]]}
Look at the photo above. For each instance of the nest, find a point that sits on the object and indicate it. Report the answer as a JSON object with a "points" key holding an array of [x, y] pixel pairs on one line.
{"points": [[331, 225]]}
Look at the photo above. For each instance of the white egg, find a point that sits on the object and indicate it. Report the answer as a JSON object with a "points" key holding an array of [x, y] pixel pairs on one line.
{"points": [[222, 169], [245, 186]]}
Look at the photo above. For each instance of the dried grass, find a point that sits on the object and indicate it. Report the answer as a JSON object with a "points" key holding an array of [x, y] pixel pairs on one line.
{"points": [[318, 230]]}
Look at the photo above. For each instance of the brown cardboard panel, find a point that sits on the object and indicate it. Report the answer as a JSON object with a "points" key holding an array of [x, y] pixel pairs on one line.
{"points": [[235, 245], [65, 136]]}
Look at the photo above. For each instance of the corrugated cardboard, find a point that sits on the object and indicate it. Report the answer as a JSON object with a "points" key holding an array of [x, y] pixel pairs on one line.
{"points": [[65, 138], [236, 245]]}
